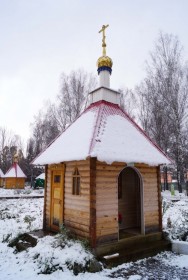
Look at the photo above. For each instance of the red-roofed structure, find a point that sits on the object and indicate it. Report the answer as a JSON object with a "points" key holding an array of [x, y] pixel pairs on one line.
{"points": [[14, 177]]}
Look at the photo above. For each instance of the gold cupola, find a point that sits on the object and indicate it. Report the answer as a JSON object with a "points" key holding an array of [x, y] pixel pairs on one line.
{"points": [[104, 63]]}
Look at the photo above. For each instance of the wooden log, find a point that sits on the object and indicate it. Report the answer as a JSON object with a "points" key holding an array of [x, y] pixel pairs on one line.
{"points": [[107, 225], [106, 201], [81, 214], [107, 239], [106, 213], [77, 227], [82, 224], [145, 172], [77, 203], [152, 220], [81, 221], [153, 207], [106, 180], [107, 173], [152, 182], [150, 195], [107, 219], [103, 232], [106, 207], [80, 163]]}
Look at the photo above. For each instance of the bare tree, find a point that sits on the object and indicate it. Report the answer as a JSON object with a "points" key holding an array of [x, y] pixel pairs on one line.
{"points": [[53, 118], [10, 144], [45, 129], [164, 99], [72, 99], [128, 102]]}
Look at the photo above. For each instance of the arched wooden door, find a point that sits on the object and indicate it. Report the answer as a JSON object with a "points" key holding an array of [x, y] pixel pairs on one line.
{"points": [[129, 202]]}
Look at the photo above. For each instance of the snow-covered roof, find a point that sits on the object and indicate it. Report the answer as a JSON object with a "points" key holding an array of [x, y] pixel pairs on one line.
{"points": [[15, 171], [1, 173], [106, 132], [41, 176]]}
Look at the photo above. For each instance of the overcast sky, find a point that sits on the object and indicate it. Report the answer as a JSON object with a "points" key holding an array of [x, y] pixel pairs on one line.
{"points": [[40, 39]]}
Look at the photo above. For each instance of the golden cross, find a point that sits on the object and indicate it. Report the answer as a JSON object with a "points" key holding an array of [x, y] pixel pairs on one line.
{"points": [[103, 38]]}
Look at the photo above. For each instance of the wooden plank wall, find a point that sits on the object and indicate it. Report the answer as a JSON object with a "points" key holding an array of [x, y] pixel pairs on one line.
{"points": [[77, 207], [107, 201], [14, 183], [150, 192], [1, 182]]}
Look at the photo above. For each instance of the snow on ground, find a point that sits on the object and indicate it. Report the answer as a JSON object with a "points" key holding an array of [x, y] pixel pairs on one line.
{"points": [[20, 215], [175, 215], [177, 196], [57, 254], [28, 191]]}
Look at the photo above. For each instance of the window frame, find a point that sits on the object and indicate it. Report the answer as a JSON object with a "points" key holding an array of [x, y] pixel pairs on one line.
{"points": [[76, 186]]}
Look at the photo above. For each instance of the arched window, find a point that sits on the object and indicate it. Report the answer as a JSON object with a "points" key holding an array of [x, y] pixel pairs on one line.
{"points": [[76, 182]]}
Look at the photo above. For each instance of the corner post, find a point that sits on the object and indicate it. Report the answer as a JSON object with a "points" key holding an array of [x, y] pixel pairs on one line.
{"points": [[45, 192], [159, 197], [92, 229]]}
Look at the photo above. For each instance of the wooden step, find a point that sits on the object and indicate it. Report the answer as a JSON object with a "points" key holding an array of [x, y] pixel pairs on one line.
{"points": [[137, 252], [127, 243], [132, 249]]}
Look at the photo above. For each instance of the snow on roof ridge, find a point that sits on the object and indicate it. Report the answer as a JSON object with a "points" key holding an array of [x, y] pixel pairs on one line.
{"points": [[124, 114], [57, 136], [98, 120], [18, 171], [146, 135], [103, 111]]}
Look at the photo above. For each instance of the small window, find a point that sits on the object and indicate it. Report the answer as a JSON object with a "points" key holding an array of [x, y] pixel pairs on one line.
{"points": [[57, 178], [76, 182]]}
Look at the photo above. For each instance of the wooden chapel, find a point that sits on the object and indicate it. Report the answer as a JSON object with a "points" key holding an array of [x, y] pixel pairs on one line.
{"points": [[103, 173]]}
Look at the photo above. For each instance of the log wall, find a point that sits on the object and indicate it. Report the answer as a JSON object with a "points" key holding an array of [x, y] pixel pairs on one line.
{"points": [[107, 201], [77, 207], [94, 213], [151, 190]]}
